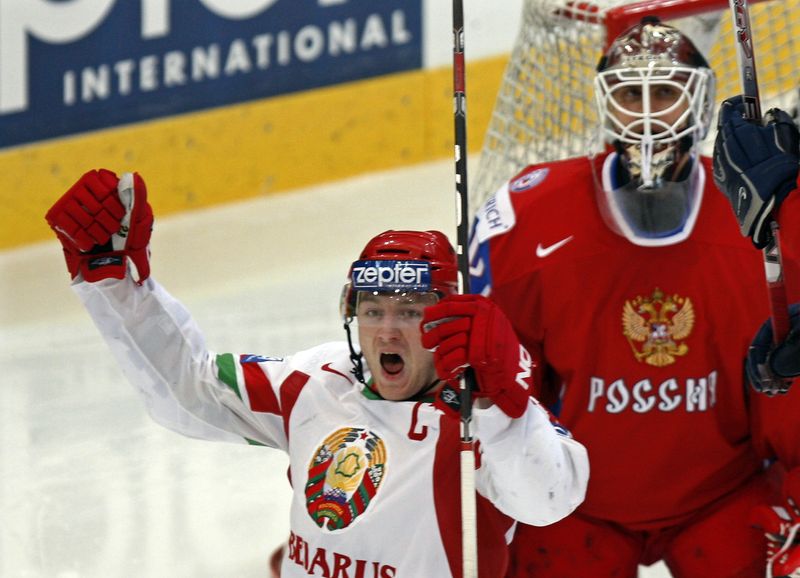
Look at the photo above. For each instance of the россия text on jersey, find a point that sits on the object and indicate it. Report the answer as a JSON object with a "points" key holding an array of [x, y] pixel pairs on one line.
{"points": [[690, 395]]}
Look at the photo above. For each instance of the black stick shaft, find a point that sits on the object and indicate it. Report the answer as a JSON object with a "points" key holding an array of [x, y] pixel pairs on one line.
{"points": [[468, 501], [460, 109], [773, 263]]}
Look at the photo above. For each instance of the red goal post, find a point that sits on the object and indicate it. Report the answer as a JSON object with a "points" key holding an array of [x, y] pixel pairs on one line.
{"points": [[545, 106]]}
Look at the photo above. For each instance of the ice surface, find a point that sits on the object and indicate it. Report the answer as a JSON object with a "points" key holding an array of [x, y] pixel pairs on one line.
{"points": [[89, 486]]}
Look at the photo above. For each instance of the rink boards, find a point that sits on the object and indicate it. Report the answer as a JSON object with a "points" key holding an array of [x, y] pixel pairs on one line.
{"points": [[212, 105]]}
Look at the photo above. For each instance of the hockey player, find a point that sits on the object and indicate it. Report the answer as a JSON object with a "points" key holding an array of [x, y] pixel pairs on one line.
{"points": [[374, 465], [756, 166], [624, 274]]}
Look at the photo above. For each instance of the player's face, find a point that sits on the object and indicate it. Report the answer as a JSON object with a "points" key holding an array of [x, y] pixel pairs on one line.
{"points": [[390, 337], [667, 102]]}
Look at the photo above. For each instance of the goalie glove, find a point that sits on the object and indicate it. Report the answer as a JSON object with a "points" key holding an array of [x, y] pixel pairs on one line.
{"points": [[770, 367], [104, 226], [471, 331], [755, 166]]}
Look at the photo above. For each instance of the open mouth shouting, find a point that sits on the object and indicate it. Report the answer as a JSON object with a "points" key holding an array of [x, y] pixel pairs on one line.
{"points": [[392, 363]]}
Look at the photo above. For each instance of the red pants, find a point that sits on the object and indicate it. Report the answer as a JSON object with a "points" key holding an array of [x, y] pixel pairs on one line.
{"points": [[718, 542]]}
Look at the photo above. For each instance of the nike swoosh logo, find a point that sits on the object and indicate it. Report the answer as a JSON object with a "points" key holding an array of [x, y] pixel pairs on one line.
{"points": [[327, 367], [742, 198], [543, 252]]}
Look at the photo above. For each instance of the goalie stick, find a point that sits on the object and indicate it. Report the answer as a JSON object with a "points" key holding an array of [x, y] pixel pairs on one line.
{"points": [[773, 266], [469, 529]]}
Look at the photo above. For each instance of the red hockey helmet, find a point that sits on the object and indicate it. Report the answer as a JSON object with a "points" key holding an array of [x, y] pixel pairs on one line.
{"points": [[652, 43], [402, 261]]}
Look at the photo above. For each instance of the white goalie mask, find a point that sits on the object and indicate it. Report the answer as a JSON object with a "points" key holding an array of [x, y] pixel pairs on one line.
{"points": [[655, 95]]}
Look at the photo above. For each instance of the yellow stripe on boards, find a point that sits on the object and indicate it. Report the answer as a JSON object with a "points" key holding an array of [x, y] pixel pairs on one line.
{"points": [[258, 148]]}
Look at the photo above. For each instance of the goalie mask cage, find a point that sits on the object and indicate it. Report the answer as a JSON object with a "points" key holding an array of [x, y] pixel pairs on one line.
{"points": [[545, 107]]}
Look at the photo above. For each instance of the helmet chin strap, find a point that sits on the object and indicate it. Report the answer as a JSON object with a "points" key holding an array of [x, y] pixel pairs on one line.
{"points": [[355, 357]]}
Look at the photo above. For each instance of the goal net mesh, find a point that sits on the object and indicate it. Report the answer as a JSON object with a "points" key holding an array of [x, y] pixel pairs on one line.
{"points": [[545, 106]]}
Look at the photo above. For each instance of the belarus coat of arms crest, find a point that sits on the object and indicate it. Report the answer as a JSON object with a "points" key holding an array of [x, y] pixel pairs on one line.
{"points": [[655, 327], [343, 476]]}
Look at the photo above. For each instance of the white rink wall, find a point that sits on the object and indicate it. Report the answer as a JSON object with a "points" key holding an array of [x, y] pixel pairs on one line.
{"points": [[490, 29]]}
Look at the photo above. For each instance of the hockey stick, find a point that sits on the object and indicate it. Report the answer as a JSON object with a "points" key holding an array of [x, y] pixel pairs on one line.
{"points": [[773, 266], [469, 526]]}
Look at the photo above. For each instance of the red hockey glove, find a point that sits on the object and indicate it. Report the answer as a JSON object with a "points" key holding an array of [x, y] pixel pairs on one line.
{"points": [[104, 225], [781, 525], [470, 330]]}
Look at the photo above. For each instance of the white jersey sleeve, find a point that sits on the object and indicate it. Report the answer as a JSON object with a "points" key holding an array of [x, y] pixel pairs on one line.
{"points": [[162, 352], [530, 469]]}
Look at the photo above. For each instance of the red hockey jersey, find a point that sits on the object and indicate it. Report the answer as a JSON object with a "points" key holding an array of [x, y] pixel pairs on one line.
{"points": [[641, 349]]}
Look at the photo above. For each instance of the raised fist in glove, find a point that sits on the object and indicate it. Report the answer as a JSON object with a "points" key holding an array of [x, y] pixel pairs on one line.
{"points": [[781, 525], [755, 165], [770, 367], [471, 331], [104, 224]]}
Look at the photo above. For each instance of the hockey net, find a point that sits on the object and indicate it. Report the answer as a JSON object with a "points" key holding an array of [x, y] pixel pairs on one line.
{"points": [[545, 106]]}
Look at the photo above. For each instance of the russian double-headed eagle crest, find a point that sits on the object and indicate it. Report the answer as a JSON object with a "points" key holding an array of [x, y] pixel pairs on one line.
{"points": [[656, 325], [344, 475]]}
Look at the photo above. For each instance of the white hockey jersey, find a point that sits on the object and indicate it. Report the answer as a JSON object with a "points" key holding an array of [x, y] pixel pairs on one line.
{"points": [[375, 482]]}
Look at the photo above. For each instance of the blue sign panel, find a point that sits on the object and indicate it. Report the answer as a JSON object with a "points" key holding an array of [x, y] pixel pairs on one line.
{"points": [[69, 67]]}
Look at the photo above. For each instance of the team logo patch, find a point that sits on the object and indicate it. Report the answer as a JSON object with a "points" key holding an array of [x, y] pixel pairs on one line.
{"points": [[655, 327], [343, 477], [528, 180]]}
